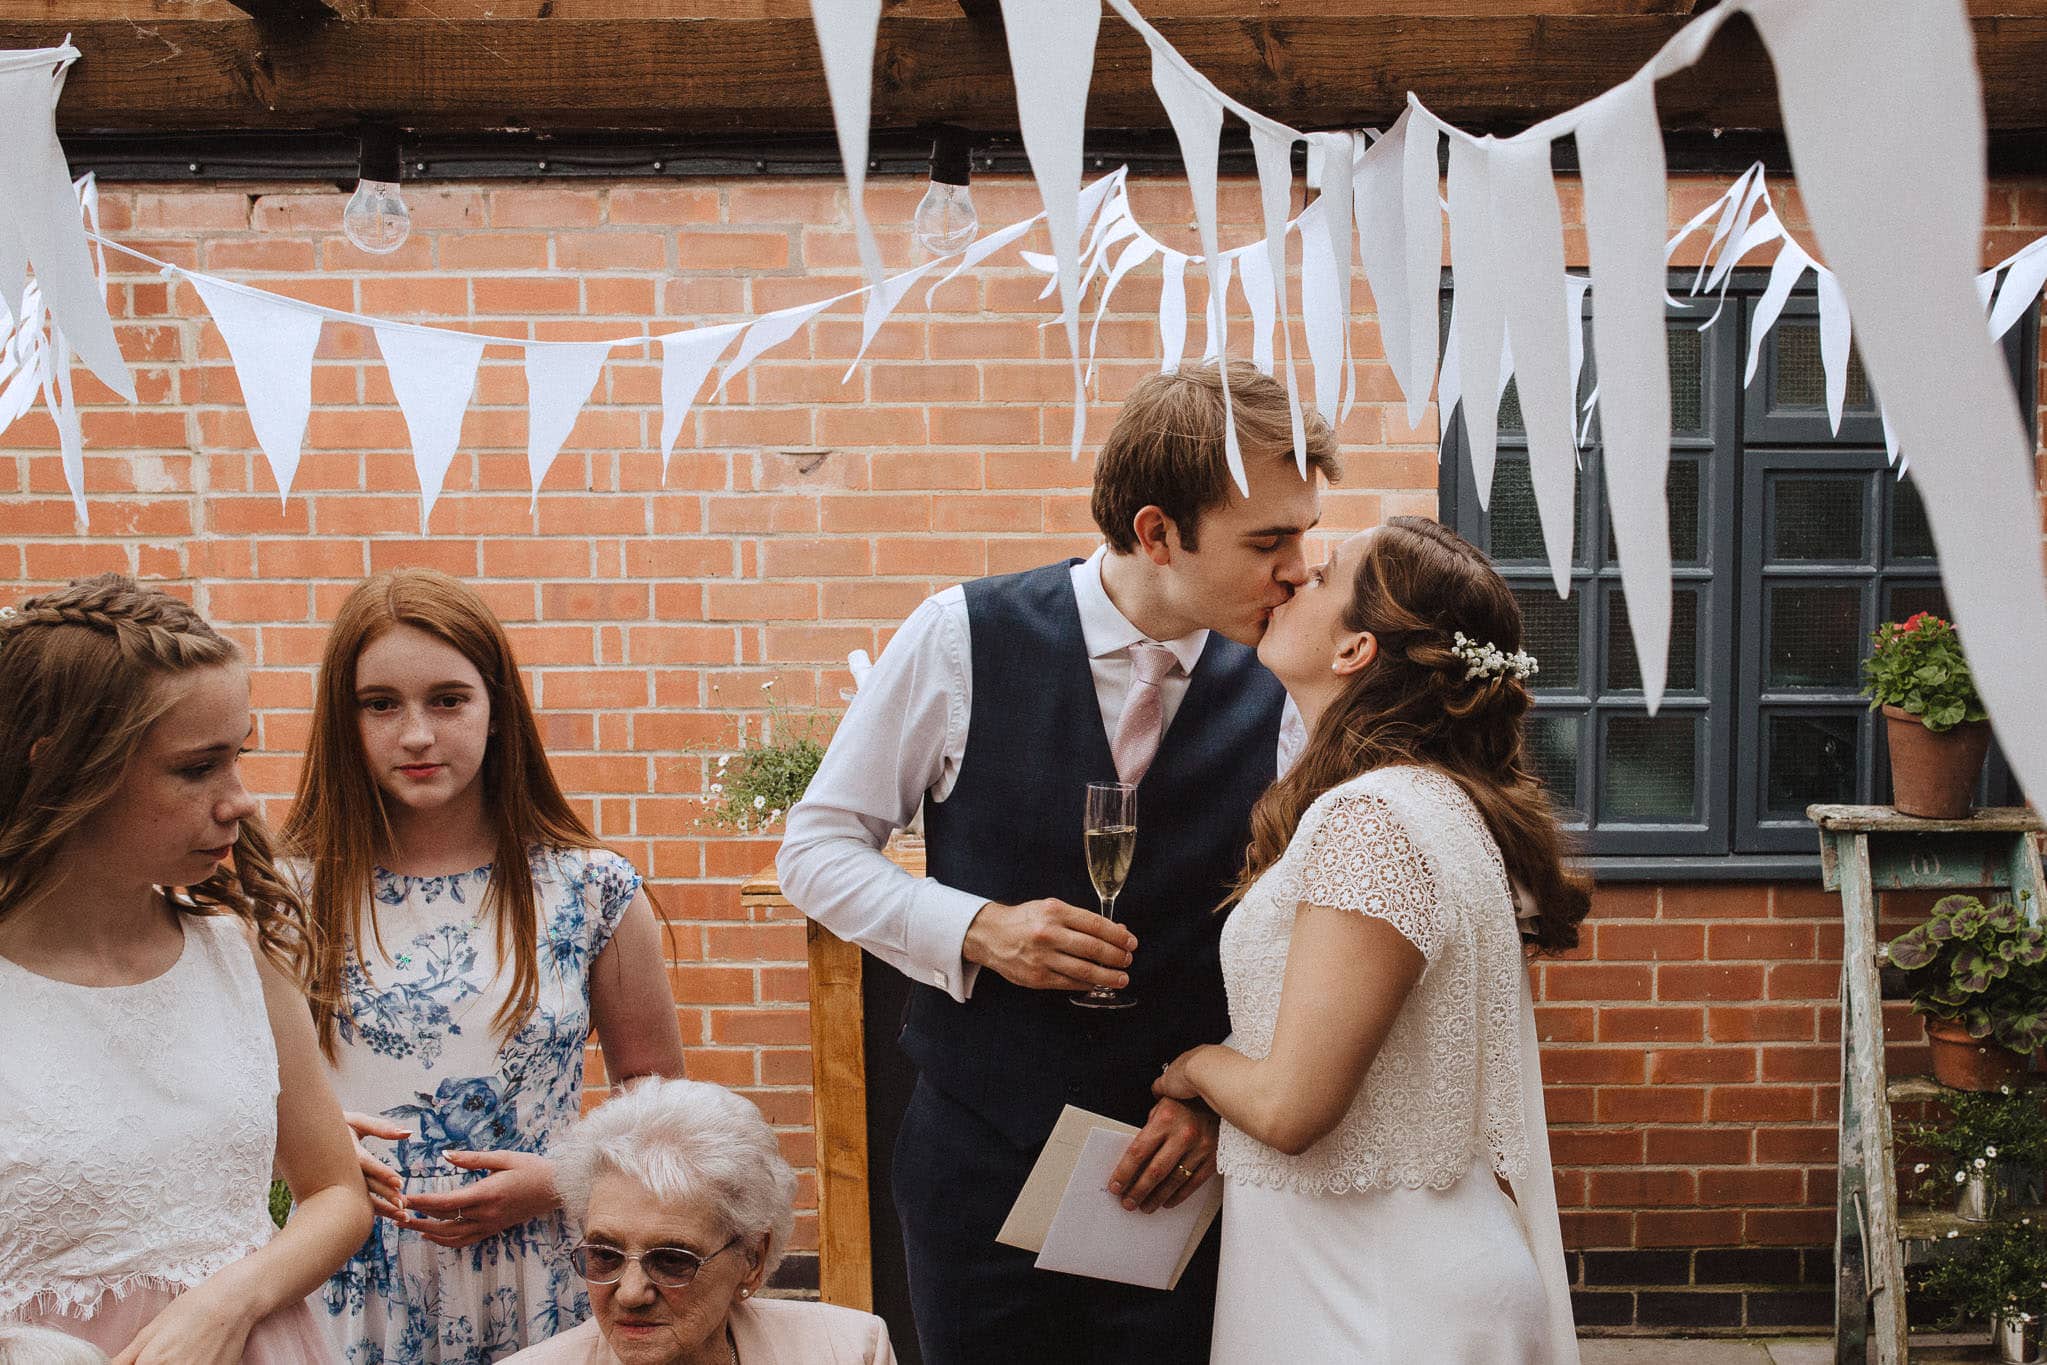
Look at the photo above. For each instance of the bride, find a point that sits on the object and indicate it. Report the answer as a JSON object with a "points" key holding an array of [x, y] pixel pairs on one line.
{"points": [[1380, 1093]]}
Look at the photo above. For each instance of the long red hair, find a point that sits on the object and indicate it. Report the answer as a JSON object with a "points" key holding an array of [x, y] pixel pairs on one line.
{"points": [[338, 823]]}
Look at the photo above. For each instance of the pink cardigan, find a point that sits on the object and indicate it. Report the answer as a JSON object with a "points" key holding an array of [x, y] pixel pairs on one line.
{"points": [[767, 1332]]}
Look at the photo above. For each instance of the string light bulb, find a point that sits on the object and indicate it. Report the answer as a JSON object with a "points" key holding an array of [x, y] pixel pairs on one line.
{"points": [[945, 220], [376, 218]]}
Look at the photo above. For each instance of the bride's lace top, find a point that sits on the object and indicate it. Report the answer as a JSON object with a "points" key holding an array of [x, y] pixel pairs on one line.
{"points": [[1405, 845], [138, 1125]]}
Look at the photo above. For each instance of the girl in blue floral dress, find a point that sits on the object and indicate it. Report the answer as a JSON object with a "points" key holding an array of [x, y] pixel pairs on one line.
{"points": [[472, 935]]}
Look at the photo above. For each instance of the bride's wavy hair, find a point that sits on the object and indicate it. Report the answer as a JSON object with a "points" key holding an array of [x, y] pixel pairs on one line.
{"points": [[1417, 584]]}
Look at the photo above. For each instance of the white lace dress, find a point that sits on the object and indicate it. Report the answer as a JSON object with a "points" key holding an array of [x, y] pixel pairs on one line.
{"points": [[1390, 1240], [138, 1126]]}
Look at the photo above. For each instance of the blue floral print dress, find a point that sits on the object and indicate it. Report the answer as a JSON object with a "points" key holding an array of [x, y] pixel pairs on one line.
{"points": [[420, 1046]]}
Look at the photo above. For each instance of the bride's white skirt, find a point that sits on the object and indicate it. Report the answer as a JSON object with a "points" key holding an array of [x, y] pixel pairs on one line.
{"points": [[1396, 1276]]}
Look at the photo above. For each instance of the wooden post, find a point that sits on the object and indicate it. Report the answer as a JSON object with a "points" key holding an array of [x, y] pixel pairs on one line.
{"points": [[838, 1079]]}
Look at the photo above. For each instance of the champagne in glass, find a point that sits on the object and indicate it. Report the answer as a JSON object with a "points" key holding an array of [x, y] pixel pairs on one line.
{"points": [[1110, 831]]}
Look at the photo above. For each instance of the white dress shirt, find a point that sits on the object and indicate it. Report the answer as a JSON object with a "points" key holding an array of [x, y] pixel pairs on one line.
{"points": [[904, 737]]}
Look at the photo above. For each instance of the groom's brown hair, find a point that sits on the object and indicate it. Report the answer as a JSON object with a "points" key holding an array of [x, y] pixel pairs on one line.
{"points": [[1166, 448]]}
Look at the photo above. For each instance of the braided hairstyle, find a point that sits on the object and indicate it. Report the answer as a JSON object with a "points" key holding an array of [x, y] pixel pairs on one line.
{"points": [[79, 675], [1416, 587]]}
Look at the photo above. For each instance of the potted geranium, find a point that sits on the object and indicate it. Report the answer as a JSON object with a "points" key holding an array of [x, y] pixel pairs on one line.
{"points": [[1998, 1276], [1986, 1155], [1975, 972], [1934, 719]]}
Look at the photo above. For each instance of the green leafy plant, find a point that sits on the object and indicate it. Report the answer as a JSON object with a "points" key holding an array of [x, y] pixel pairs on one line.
{"points": [[1985, 1133], [1918, 666], [1999, 1273], [753, 789], [280, 1202], [1979, 965]]}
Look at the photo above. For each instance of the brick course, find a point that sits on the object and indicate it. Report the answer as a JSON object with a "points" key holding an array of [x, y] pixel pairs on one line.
{"points": [[1690, 1041]]}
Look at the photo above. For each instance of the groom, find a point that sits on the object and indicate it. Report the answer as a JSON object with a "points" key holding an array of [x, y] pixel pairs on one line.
{"points": [[993, 707]]}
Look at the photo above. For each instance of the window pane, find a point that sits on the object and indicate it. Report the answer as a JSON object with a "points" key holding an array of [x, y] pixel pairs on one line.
{"points": [[1906, 599], [1549, 631], [1553, 753], [1624, 670], [1651, 769], [1815, 637], [1515, 525], [1682, 493], [1687, 380], [1808, 759], [1911, 537], [1801, 378], [1815, 518]]}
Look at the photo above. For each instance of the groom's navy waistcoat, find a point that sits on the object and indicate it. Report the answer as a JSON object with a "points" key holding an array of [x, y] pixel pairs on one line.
{"points": [[1010, 831]]}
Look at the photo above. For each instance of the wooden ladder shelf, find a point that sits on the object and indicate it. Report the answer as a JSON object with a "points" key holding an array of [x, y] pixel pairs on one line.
{"points": [[1865, 850]]}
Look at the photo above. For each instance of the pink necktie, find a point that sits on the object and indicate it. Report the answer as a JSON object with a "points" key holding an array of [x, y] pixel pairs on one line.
{"points": [[1144, 711]]}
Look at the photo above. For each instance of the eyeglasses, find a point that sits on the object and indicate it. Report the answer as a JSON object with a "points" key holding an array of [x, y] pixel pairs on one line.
{"points": [[665, 1267]]}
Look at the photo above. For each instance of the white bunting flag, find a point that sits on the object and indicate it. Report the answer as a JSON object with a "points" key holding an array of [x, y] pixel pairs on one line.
{"points": [[845, 39], [686, 357], [1879, 94], [560, 378], [1197, 123], [1382, 250], [1531, 263], [770, 329], [1052, 59], [1481, 318], [271, 344], [433, 374], [40, 223], [1422, 215], [1620, 157]]}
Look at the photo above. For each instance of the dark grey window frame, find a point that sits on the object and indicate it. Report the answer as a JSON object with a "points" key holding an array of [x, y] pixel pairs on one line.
{"points": [[1739, 439]]}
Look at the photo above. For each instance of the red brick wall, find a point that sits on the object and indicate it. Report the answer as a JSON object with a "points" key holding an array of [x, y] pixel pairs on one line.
{"points": [[1693, 1064]]}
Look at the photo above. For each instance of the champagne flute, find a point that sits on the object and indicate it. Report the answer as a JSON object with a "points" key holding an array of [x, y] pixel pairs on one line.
{"points": [[1110, 830]]}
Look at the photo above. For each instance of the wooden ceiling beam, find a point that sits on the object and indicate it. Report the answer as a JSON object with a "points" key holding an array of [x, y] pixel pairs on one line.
{"points": [[288, 14], [727, 75]]}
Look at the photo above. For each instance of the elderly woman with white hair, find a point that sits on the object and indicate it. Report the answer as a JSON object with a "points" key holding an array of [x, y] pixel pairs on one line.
{"points": [[684, 1202]]}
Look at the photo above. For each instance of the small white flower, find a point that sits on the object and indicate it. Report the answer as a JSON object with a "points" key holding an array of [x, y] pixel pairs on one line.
{"points": [[723, 762], [717, 789], [1961, 1177], [768, 686], [1990, 1151], [759, 802], [1952, 1233], [1920, 1169], [774, 815], [1980, 1163]]}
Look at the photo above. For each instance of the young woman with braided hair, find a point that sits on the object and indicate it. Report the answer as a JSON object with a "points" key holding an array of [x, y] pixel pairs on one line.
{"points": [[156, 1058], [1380, 1093]]}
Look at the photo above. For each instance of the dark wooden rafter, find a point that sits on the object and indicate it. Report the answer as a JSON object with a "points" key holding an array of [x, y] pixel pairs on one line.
{"points": [[1483, 68], [275, 14]]}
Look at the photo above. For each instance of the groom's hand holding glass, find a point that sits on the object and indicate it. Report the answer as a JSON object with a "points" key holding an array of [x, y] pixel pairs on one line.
{"points": [[1048, 945]]}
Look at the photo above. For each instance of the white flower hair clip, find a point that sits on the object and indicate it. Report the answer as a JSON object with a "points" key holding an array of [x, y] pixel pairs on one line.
{"points": [[1485, 660]]}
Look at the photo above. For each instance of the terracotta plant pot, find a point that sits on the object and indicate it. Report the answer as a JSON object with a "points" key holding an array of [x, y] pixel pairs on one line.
{"points": [[1934, 775], [1965, 1063]]}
